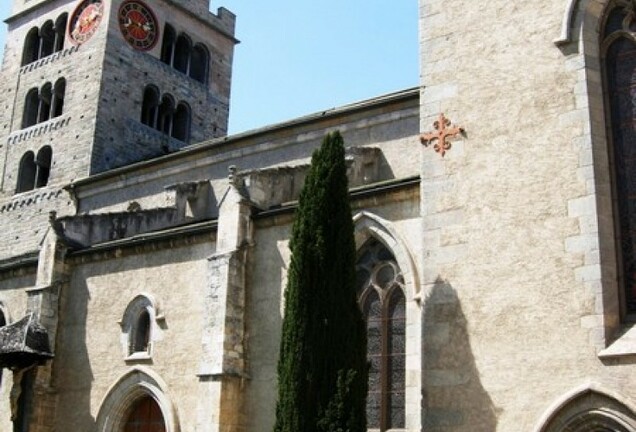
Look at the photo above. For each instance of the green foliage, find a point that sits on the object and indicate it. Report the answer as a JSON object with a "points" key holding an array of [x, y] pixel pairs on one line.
{"points": [[322, 369]]}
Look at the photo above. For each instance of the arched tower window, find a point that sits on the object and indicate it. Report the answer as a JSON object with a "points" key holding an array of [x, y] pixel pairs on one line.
{"points": [[145, 416], [150, 106], [619, 51], [43, 166], [26, 173], [380, 287], [47, 39], [46, 98], [166, 113], [167, 46], [31, 50], [31, 105], [199, 63], [181, 123], [183, 54], [60, 32], [57, 104]]}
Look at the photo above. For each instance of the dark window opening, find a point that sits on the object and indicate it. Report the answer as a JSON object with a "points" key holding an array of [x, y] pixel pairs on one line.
{"points": [[31, 106], [57, 106], [145, 416], [47, 39], [31, 50], [60, 32], [167, 47], [182, 54], [43, 163], [150, 107], [26, 173], [199, 64], [181, 123], [141, 335], [46, 98], [166, 112]]}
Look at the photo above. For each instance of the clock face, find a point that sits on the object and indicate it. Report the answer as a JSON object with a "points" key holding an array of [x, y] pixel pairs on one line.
{"points": [[85, 20], [138, 25]]}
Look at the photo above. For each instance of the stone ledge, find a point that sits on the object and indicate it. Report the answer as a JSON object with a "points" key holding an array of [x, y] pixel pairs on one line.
{"points": [[48, 59], [38, 129], [30, 198], [624, 345]]}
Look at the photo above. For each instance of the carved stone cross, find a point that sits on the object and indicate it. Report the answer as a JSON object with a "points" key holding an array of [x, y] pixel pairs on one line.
{"points": [[442, 132]]}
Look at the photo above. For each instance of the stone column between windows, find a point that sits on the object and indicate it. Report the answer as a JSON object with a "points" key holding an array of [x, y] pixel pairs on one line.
{"points": [[223, 358]]}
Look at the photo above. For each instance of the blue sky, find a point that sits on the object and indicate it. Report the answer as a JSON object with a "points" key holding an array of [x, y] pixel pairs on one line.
{"points": [[299, 57]]}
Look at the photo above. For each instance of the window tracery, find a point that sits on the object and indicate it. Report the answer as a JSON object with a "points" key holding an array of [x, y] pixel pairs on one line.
{"points": [[380, 287], [618, 48]]}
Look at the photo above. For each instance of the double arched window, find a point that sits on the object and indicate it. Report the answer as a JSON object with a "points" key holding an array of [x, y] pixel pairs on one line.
{"points": [[44, 103], [184, 55], [165, 115], [618, 49], [380, 287], [44, 41], [34, 170]]}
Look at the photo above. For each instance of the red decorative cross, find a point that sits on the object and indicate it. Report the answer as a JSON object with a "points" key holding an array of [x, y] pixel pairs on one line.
{"points": [[443, 131]]}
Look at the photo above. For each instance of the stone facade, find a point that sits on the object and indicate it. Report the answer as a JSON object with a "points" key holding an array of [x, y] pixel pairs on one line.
{"points": [[161, 272]]}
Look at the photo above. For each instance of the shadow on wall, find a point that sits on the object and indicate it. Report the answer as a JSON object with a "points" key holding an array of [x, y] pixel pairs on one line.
{"points": [[453, 397], [73, 375]]}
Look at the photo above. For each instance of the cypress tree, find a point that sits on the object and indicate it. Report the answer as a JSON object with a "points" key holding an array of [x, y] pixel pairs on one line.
{"points": [[322, 368]]}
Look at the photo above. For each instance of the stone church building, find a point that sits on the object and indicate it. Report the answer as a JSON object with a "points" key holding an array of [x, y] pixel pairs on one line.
{"points": [[143, 251]]}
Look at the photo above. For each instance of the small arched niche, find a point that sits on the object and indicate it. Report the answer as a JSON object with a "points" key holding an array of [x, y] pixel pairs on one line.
{"points": [[140, 326]]}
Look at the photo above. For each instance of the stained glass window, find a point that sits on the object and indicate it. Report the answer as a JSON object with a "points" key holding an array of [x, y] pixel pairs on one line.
{"points": [[145, 416], [620, 75], [381, 294]]}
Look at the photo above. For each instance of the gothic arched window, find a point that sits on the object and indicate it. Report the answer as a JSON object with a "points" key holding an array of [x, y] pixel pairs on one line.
{"points": [[381, 295], [618, 47], [145, 416]]}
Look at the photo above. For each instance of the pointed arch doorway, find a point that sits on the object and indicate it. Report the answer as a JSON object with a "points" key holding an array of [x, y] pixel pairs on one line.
{"points": [[145, 416]]}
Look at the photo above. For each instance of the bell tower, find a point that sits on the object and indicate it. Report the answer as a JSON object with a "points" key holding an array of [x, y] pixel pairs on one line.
{"points": [[92, 85]]}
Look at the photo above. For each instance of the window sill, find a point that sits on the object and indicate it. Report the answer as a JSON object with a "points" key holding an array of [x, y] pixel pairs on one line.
{"points": [[139, 357], [36, 64], [623, 345]]}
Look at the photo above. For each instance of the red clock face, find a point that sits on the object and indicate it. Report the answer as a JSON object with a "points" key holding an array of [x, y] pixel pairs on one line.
{"points": [[85, 20], [138, 25]]}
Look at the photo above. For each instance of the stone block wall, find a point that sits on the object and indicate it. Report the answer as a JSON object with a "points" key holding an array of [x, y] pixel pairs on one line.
{"points": [[513, 296]]}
